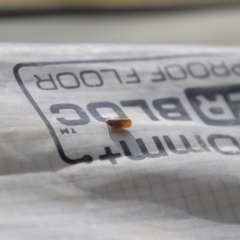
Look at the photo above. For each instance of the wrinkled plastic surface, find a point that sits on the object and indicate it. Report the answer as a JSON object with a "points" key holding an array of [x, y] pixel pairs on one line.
{"points": [[173, 175]]}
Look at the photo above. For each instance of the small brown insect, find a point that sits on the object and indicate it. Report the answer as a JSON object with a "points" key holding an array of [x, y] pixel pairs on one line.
{"points": [[119, 123]]}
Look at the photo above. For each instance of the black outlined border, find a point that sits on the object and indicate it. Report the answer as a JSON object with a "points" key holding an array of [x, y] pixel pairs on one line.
{"points": [[86, 158]]}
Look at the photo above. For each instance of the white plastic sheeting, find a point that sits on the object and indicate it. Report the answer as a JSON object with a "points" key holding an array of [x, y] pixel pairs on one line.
{"points": [[173, 175]]}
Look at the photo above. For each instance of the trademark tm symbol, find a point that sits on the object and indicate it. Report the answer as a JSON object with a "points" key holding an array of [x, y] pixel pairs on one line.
{"points": [[67, 131]]}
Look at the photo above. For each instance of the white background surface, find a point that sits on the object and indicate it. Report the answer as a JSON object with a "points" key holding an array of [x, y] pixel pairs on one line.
{"points": [[191, 196], [186, 198]]}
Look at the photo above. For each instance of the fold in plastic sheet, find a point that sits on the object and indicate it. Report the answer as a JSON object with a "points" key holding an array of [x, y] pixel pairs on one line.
{"points": [[173, 175]]}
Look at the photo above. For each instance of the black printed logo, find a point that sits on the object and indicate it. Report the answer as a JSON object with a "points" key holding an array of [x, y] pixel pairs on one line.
{"points": [[216, 105]]}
